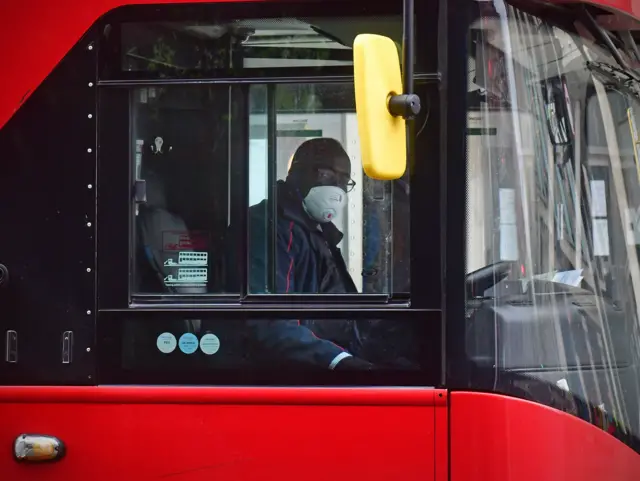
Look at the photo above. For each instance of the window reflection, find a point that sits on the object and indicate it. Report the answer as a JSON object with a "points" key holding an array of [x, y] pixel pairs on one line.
{"points": [[174, 47], [181, 209], [175, 347]]}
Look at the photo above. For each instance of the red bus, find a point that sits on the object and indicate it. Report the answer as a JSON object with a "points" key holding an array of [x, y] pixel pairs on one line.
{"points": [[158, 320]]}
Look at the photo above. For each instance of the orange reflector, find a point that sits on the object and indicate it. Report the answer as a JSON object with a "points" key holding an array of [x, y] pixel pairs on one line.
{"points": [[37, 448]]}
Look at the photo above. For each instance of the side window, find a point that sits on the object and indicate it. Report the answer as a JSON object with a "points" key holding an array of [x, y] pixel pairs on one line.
{"points": [[180, 138], [317, 224]]}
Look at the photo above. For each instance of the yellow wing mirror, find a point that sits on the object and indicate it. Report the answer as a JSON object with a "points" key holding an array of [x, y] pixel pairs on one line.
{"points": [[382, 108]]}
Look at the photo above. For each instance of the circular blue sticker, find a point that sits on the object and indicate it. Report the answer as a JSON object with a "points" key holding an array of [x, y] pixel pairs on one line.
{"points": [[210, 344], [188, 343], [166, 343]]}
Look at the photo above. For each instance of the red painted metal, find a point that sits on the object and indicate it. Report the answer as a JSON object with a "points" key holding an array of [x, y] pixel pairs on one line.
{"points": [[441, 436], [499, 438], [626, 7], [36, 34], [198, 434], [220, 395], [619, 8]]}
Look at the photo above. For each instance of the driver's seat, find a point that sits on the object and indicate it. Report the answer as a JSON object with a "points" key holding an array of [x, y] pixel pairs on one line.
{"points": [[153, 220]]}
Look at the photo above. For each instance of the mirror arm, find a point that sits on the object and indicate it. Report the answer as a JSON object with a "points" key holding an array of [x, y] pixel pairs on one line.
{"points": [[407, 104]]}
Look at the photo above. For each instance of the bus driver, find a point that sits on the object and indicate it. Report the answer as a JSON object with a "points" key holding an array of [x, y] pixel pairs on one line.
{"points": [[307, 261]]}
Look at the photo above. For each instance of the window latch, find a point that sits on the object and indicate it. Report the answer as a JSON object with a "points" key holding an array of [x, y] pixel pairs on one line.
{"points": [[140, 191], [11, 353], [67, 347]]}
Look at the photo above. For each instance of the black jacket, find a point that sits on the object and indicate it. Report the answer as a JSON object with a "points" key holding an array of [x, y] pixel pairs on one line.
{"points": [[307, 261]]}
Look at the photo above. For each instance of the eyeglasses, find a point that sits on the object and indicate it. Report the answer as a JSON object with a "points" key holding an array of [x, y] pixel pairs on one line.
{"points": [[331, 177]]}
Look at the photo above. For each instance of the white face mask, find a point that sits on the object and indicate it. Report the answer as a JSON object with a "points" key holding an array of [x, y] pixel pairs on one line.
{"points": [[325, 203]]}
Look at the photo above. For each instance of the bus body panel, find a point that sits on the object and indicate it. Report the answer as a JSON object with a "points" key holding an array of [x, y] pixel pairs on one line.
{"points": [[499, 438], [245, 433], [46, 31], [180, 433]]}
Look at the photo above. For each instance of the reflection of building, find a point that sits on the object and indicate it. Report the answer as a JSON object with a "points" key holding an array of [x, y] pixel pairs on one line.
{"points": [[551, 202]]}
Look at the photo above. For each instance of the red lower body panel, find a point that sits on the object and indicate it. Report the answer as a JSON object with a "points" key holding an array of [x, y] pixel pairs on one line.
{"points": [[500, 438], [179, 434]]}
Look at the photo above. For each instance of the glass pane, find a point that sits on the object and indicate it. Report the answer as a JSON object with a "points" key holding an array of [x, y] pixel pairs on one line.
{"points": [[334, 232], [553, 190], [181, 210], [183, 346], [174, 47]]}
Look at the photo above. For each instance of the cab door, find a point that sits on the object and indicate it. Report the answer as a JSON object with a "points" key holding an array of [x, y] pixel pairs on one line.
{"points": [[178, 187]]}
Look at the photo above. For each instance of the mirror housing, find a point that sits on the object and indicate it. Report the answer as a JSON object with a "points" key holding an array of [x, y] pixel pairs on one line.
{"points": [[381, 106]]}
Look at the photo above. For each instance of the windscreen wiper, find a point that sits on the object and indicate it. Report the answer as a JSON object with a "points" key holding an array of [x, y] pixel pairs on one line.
{"points": [[623, 78]]}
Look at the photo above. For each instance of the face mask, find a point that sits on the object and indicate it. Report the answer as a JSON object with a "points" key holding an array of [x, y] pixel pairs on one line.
{"points": [[324, 203]]}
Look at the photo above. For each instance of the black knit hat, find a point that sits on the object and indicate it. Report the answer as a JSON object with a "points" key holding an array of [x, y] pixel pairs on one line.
{"points": [[321, 152]]}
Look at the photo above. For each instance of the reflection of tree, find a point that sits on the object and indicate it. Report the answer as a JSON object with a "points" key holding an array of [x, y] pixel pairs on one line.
{"points": [[292, 53], [169, 52], [289, 98], [173, 53], [304, 98], [301, 97], [161, 53]]}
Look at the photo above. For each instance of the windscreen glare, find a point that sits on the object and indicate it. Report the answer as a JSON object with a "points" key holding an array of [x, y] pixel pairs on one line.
{"points": [[553, 219]]}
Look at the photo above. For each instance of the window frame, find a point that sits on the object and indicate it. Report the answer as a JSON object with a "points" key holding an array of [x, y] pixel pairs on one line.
{"points": [[116, 306], [279, 76], [113, 101]]}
